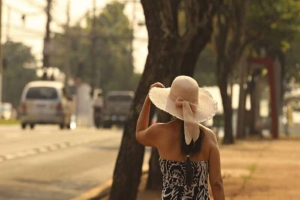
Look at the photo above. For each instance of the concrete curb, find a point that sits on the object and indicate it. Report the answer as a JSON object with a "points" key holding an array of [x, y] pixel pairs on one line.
{"points": [[96, 191], [103, 189]]}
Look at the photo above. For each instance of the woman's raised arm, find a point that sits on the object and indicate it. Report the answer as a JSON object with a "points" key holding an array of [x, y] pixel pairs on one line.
{"points": [[144, 133]]}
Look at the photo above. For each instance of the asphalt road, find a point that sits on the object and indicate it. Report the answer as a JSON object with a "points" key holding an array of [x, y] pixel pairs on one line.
{"points": [[49, 163]]}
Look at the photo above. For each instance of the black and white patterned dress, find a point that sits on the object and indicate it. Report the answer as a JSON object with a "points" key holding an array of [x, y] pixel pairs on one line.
{"points": [[174, 187]]}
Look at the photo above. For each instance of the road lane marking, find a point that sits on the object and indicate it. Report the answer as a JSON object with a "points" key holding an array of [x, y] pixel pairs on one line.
{"points": [[43, 149], [106, 139]]}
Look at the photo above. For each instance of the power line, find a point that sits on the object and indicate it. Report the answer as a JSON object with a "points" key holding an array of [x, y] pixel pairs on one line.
{"points": [[87, 14], [23, 17], [25, 35], [19, 36], [34, 4], [33, 31], [22, 11]]}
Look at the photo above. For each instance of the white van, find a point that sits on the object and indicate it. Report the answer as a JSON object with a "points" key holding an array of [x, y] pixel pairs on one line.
{"points": [[44, 102]]}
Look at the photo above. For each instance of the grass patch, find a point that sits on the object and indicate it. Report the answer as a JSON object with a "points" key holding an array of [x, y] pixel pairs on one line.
{"points": [[247, 177], [9, 122], [252, 168]]}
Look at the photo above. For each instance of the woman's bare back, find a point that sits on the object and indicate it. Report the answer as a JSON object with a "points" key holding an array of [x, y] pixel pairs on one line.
{"points": [[169, 142]]}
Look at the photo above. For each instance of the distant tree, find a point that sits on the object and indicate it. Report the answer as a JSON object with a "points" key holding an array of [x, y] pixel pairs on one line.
{"points": [[78, 51], [113, 54], [292, 70], [276, 33], [15, 76], [283, 31], [243, 26], [172, 51], [205, 70], [228, 40]]}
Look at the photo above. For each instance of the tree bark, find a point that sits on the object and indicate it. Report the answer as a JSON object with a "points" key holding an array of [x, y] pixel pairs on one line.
{"points": [[128, 166], [282, 61], [253, 111], [154, 181], [227, 103], [241, 125]]}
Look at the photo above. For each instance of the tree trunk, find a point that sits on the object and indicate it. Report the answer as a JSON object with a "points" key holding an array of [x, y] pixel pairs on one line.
{"points": [[227, 105], [228, 40], [128, 166], [281, 57], [154, 181], [253, 100], [241, 125]]}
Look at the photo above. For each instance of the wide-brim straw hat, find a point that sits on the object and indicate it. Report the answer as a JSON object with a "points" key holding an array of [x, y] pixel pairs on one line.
{"points": [[187, 89]]}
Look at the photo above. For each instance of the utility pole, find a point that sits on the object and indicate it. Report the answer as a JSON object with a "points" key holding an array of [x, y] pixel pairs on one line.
{"points": [[8, 22], [133, 34], [46, 50], [67, 49], [94, 73], [1, 56]]}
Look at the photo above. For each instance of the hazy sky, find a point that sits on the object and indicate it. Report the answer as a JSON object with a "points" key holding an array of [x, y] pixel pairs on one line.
{"points": [[31, 31]]}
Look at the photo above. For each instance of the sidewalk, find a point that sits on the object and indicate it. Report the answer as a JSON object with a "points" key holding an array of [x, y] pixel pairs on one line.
{"points": [[258, 169]]}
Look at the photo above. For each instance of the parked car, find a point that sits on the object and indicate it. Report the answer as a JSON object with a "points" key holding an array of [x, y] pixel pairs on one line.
{"points": [[6, 110], [116, 108], [45, 102]]}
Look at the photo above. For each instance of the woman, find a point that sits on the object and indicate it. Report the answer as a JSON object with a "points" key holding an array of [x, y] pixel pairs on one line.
{"points": [[188, 151]]}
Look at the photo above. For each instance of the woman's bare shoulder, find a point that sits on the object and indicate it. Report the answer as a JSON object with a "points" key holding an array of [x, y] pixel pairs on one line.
{"points": [[165, 128], [163, 134], [159, 128], [209, 134]]}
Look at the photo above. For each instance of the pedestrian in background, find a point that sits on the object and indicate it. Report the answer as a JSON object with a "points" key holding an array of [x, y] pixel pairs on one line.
{"points": [[84, 113], [188, 151]]}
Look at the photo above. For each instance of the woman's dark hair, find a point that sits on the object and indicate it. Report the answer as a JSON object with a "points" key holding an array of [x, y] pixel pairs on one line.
{"points": [[188, 150]]}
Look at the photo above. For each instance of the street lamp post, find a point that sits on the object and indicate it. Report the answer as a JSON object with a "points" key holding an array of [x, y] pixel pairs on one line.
{"points": [[46, 50], [1, 57]]}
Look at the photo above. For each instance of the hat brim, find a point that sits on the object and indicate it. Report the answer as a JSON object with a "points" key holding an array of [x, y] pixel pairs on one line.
{"points": [[207, 106]]}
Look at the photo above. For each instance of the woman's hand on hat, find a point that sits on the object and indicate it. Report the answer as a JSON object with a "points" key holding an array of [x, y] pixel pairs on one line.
{"points": [[157, 84]]}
